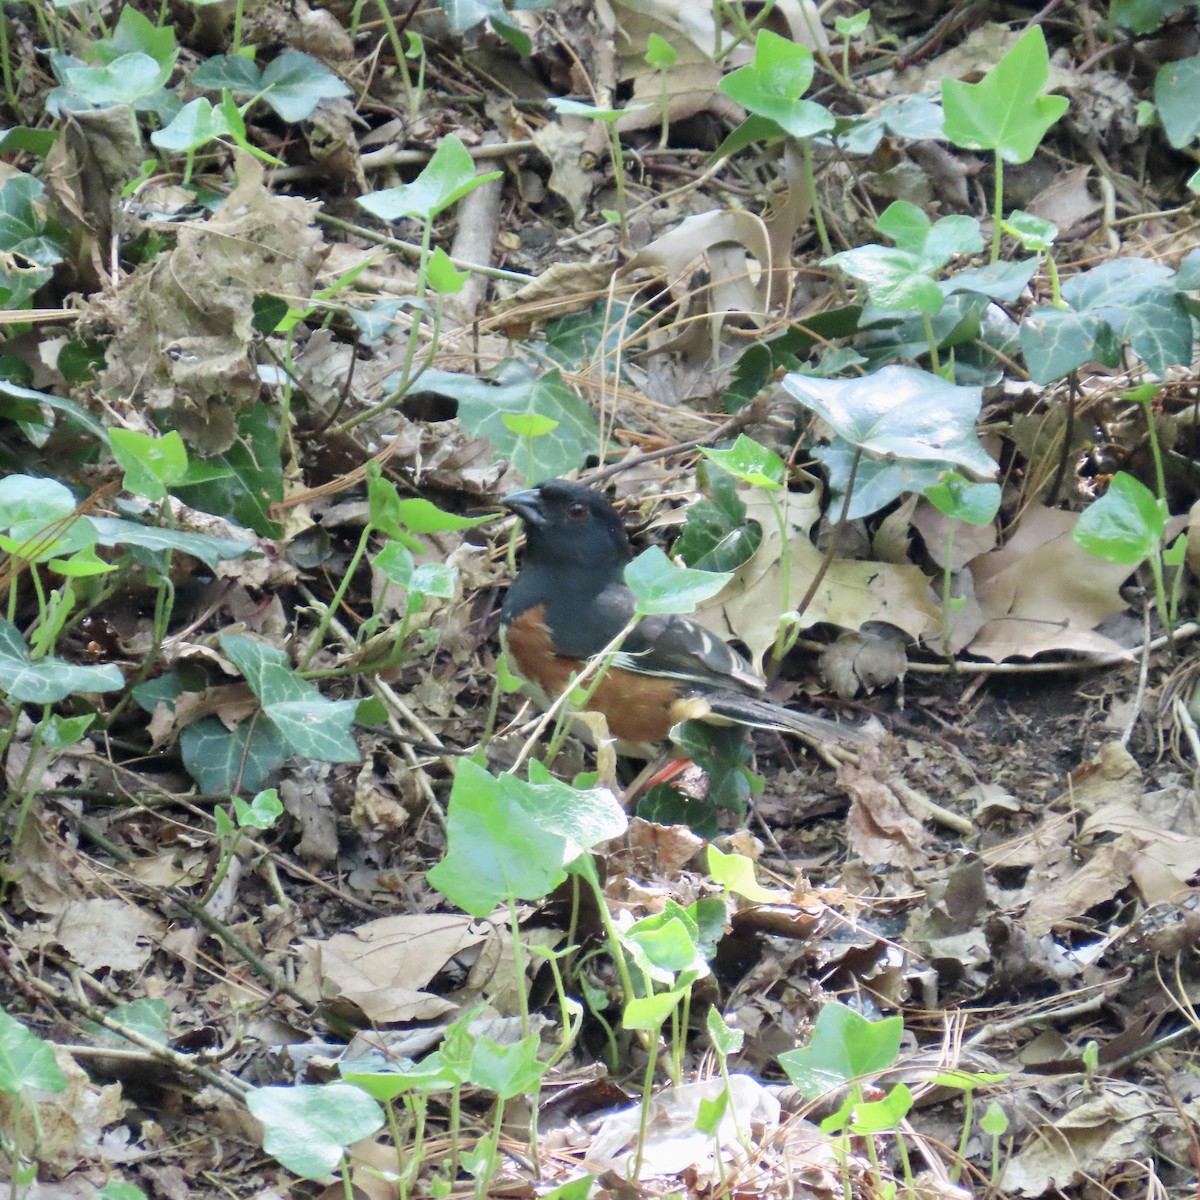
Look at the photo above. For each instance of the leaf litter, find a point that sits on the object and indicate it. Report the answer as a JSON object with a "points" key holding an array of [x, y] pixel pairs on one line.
{"points": [[1011, 867]]}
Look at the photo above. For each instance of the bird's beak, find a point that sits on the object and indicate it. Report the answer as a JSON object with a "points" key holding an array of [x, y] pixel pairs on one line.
{"points": [[527, 506]]}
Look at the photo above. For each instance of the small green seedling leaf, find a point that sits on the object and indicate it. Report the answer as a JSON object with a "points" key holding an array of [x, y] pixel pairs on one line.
{"points": [[710, 1112], [136, 33], [725, 1038], [26, 1061], [447, 178], [308, 1127], [150, 1018], [850, 27], [735, 872], [1034, 233], [1005, 111], [660, 54], [57, 733], [994, 1121], [125, 80], [967, 1081], [295, 83], [443, 276], [750, 462], [901, 278], [507, 1071], [529, 425], [48, 680], [961, 500], [508, 683], [228, 72], [224, 824], [151, 464], [506, 837], [844, 1046], [118, 1189], [659, 586], [1177, 97], [195, 124], [647, 1013], [261, 813], [576, 108], [773, 84], [664, 946], [1125, 526], [419, 515], [879, 1116], [83, 564], [483, 403]]}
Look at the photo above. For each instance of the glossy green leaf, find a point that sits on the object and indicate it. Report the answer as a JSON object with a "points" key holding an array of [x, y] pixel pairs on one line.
{"points": [[1005, 111]]}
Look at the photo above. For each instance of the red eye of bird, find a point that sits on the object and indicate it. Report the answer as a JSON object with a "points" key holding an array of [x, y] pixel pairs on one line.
{"points": [[577, 510]]}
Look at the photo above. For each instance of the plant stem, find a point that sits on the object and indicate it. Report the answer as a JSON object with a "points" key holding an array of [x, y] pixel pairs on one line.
{"points": [[946, 570], [236, 47], [810, 181], [588, 871], [647, 1087], [602, 662], [398, 50], [1160, 596], [934, 361], [1055, 283], [665, 131], [785, 583], [518, 964], [1160, 477], [10, 88], [997, 206], [618, 162], [834, 539], [336, 599]]}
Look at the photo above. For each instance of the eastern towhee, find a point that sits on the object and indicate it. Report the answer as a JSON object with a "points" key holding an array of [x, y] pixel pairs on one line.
{"points": [[570, 599]]}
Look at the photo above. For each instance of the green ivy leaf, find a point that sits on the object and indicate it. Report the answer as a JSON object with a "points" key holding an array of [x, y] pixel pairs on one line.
{"points": [[295, 83], [447, 178], [1005, 111], [771, 86], [1126, 525], [482, 405]]}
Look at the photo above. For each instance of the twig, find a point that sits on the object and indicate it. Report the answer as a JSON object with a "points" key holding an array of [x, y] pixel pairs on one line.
{"points": [[183, 1063]]}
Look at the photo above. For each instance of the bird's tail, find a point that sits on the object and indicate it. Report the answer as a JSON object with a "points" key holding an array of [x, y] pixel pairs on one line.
{"points": [[762, 714]]}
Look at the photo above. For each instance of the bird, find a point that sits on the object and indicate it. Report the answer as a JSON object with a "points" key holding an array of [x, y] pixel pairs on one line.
{"points": [[569, 600]]}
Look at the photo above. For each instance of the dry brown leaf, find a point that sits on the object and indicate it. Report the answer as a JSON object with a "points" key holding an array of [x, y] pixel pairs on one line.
{"points": [[851, 593], [183, 323], [671, 847], [714, 263], [382, 965], [69, 1127], [1067, 201], [1064, 902], [1166, 860], [307, 800], [562, 288], [1098, 1133], [1046, 843], [969, 541], [100, 934], [880, 827], [1041, 591], [1112, 775], [562, 142]]}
